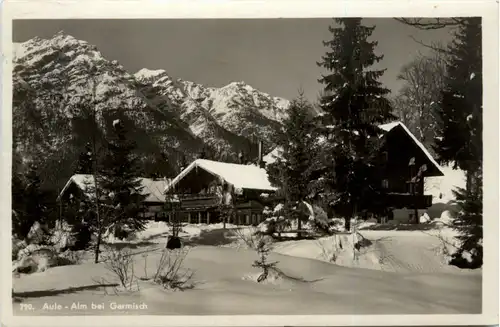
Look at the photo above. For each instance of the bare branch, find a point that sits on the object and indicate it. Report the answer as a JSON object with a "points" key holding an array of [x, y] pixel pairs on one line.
{"points": [[438, 48], [432, 23]]}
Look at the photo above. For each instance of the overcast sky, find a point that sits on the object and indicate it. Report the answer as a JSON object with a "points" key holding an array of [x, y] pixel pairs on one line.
{"points": [[277, 56]]}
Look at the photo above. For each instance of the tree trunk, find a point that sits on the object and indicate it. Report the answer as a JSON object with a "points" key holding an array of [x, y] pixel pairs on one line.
{"points": [[96, 187], [299, 227], [98, 214], [347, 223], [97, 246]]}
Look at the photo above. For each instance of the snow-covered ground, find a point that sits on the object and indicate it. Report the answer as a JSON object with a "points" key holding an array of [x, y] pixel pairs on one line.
{"points": [[223, 287], [441, 188], [158, 231], [394, 251], [396, 272]]}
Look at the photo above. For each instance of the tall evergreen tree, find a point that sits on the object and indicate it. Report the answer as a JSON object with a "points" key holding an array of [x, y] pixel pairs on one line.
{"points": [[292, 172], [119, 183], [30, 201], [85, 162], [459, 138], [354, 103]]}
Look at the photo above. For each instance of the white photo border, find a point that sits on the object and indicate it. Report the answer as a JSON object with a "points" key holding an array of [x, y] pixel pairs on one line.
{"points": [[487, 9]]}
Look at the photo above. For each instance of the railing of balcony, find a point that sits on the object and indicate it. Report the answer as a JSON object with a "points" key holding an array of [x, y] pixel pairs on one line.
{"points": [[197, 196]]}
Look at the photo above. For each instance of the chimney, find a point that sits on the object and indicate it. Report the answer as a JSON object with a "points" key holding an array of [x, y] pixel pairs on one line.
{"points": [[260, 160]]}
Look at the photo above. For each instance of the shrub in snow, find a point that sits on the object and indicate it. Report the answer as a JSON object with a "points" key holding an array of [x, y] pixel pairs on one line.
{"points": [[424, 219], [320, 222], [361, 242], [279, 207], [30, 249], [263, 245], [170, 272], [38, 234], [17, 245], [36, 261], [267, 212], [267, 226], [274, 225], [62, 237], [120, 262], [446, 217], [319, 213], [337, 224]]}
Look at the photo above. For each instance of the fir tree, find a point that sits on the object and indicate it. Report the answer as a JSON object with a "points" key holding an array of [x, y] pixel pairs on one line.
{"points": [[30, 201], [459, 138], [119, 181], [292, 172], [85, 162], [354, 103], [469, 225]]}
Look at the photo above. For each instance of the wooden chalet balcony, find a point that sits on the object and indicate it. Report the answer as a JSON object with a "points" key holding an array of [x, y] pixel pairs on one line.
{"points": [[198, 201], [408, 200]]}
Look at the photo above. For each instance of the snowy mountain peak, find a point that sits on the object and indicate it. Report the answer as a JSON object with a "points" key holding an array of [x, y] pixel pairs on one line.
{"points": [[181, 116], [145, 73], [237, 84]]}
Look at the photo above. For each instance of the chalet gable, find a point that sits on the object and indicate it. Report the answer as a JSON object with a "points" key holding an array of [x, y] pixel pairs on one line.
{"points": [[401, 129], [390, 128], [85, 182], [244, 177]]}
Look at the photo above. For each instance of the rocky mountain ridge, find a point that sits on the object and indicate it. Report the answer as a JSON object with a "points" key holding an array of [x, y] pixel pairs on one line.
{"points": [[60, 79]]}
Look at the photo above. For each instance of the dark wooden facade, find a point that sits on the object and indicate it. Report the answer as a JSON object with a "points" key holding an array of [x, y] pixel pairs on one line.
{"points": [[407, 166], [71, 195], [200, 196]]}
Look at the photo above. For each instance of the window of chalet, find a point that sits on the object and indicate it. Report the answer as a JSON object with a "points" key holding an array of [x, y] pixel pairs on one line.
{"points": [[385, 183]]}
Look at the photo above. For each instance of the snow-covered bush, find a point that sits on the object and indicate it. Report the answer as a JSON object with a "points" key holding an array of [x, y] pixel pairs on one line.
{"points": [[170, 272], [38, 260], [38, 234], [17, 245], [424, 219], [62, 236], [120, 262], [320, 222], [262, 244], [275, 222]]}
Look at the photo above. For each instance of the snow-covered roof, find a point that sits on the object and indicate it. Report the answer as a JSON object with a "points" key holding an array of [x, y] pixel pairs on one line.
{"points": [[390, 126], [153, 188], [274, 154], [240, 176]]}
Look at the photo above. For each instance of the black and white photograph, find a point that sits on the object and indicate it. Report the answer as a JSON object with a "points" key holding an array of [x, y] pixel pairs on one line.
{"points": [[325, 165]]}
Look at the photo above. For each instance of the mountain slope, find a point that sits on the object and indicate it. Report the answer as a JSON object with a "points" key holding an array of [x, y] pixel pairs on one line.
{"points": [[60, 77], [61, 80], [224, 115]]}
